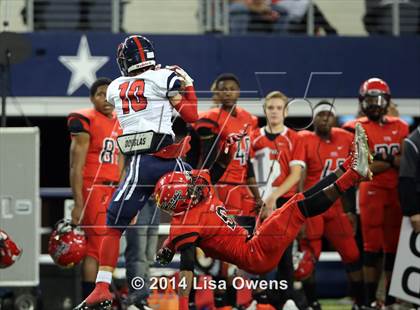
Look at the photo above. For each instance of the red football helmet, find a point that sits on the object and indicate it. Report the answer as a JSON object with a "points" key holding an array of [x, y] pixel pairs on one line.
{"points": [[305, 266], [176, 191], [67, 245], [9, 251], [374, 98]]}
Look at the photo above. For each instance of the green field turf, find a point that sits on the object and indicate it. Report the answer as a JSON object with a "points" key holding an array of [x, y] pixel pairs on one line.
{"points": [[335, 304]]}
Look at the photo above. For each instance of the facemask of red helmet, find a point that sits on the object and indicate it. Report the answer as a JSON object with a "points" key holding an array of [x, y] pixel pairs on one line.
{"points": [[67, 244], [9, 251], [374, 98], [177, 191], [374, 107]]}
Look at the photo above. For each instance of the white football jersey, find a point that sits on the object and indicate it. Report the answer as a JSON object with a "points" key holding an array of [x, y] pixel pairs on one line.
{"points": [[266, 171], [141, 102]]}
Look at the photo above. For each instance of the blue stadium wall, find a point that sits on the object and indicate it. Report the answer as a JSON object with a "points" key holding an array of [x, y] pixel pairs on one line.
{"points": [[262, 63]]}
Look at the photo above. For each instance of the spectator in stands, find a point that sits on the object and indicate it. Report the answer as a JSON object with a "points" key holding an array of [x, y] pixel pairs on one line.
{"points": [[297, 11], [409, 180], [84, 17], [256, 16], [379, 15]]}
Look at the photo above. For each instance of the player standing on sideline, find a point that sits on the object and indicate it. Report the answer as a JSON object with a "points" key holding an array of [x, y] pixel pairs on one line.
{"points": [[144, 98], [324, 150], [200, 219], [378, 199], [278, 157], [213, 127], [236, 187], [94, 171]]}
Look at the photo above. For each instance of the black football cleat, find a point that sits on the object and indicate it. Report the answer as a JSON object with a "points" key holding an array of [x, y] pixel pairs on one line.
{"points": [[103, 305]]}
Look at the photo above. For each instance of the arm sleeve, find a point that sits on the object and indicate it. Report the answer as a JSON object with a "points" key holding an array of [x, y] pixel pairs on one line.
{"points": [[207, 131], [184, 239], [77, 123], [298, 153], [349, 198], [216, 172], [193, 154], [250, 171], [187, 257], [349, 126]]}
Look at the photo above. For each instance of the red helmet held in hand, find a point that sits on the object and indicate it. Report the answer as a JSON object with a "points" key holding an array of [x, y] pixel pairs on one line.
{"points": [[67, 245], [305, 266], [9, 251]]}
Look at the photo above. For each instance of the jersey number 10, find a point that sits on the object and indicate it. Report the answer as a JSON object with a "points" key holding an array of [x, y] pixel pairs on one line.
{"points": [[131, 94]]}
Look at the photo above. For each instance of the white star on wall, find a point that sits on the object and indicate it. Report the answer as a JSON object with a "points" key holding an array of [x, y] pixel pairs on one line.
{"points": [[83, 67]]}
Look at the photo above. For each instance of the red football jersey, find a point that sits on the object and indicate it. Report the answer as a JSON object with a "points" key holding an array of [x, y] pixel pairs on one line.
{"points": [[324, 156], [219, 236], [208, 224], [274, 157], [383, 138], [222, 123], [102, 157]]}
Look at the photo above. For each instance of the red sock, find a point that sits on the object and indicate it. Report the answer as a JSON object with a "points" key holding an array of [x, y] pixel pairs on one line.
{"points": [[99, 294], [110, 248], [347, 163], [102, 285], [347, 180]]}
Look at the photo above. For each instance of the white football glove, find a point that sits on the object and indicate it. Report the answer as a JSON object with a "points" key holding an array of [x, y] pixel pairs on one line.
{"points": [[181, 72]]}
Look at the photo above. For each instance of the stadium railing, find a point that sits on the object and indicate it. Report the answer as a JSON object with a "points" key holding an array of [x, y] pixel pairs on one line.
{"points": [[350, 17]]}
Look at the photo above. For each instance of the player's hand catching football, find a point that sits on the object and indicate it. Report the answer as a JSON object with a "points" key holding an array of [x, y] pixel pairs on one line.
{"points": [[231, 139], [164, 256], [181, 72]]}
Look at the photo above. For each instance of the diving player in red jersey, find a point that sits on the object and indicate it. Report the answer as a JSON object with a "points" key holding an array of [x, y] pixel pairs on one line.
{"points": [[200, 219], [94, 172], [216, 125], [378, 199], [324, 150], [236, 185]]}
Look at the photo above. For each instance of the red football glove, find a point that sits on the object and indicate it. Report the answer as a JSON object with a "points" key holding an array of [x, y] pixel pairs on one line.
{"points": [[231, 139]]}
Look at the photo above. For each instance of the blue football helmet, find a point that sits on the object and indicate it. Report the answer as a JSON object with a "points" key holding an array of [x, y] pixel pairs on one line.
{"points": [[136, 52]]}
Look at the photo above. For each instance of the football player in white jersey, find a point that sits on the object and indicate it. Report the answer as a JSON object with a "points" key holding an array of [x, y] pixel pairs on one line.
{"points": [[144, 98]]}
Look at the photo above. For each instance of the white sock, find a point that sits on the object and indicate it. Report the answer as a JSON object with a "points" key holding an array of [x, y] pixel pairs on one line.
{"points": [[104, 276]]}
